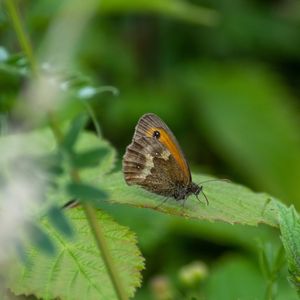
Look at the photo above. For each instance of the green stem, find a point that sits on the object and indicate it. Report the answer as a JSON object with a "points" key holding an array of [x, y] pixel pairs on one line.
{"points": [[22, 37], [270, 290], [93, 117], [272, 279], [88, 209], [101, 243]]}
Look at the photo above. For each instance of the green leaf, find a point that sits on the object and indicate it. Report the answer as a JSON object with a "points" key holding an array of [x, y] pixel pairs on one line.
{"points": [[88, 141], [265, 257], [74, 131], [41, 239], [235, 278], [85, 192], [88, 159], [174, 8], [228, 202], [59, 220], [77, 271], [289, 223], [50, 163], [271, 260]]}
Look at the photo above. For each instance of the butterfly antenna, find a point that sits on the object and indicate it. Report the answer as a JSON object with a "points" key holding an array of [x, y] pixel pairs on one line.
{"points": [[210, 180], [206, 199]]}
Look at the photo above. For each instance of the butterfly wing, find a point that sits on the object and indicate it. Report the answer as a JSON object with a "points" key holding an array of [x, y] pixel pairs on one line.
{"points": [[154, 159]]}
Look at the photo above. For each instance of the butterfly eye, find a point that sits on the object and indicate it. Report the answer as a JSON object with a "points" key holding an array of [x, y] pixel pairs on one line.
{"points": [[156, 134]]}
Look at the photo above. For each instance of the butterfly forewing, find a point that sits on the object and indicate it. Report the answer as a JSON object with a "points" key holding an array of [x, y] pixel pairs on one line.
{"points": [[148, 125]]}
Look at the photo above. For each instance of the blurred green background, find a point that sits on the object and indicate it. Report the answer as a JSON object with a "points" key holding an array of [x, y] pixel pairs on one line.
{"points": [[228, 87]]}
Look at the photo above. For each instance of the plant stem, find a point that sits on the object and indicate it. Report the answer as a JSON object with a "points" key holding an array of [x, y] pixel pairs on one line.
{"points": [[269, 295], [101, 243], [22, 37], [93, 117], [88, 209]]}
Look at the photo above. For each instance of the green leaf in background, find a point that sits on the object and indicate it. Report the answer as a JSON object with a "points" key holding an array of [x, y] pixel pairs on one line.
{"points": [[77, 271], [228, 202], [41, 144], [73, 132], [88, 159], [41, 239], [59, 221], [177, 9], [106, 163], [248, 117], [13, 70], [85, 192], [271, 259], [174, 8], [51, 163], [289, 221], [235, 277], [229, 278]]}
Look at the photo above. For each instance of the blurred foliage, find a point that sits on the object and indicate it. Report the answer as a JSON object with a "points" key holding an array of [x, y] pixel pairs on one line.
{"points": [[230, 277], [48, 236], [265, 115], [229, 91]]}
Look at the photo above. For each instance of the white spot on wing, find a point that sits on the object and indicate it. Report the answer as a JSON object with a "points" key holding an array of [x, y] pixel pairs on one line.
{"points": [[165, 155], [147, 167]]}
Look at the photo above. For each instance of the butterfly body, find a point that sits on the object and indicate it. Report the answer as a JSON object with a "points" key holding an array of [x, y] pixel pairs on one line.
{"points": [[155, 161]]}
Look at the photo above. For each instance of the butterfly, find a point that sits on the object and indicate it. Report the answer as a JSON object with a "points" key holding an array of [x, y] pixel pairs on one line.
{"points": [[155, 161]]}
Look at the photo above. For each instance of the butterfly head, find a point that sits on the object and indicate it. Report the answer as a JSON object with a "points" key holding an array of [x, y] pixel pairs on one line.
{"points": [[195, 189], [183, 192]]}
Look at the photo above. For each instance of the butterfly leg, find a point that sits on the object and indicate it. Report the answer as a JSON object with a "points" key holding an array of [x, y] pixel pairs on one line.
{"points": [[160, 204], [182, 210]]}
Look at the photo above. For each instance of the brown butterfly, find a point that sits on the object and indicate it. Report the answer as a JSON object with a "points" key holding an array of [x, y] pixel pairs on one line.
{"points": [[155, 161]]}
